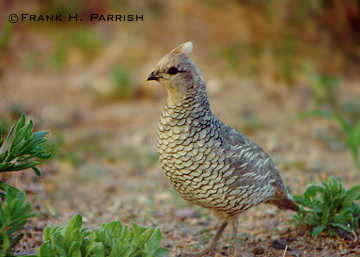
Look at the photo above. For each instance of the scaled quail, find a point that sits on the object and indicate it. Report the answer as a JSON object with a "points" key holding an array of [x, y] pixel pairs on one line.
{"points": [[209, 163]]}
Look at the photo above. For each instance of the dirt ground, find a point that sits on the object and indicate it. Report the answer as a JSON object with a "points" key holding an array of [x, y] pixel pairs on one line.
{"points": [[116, 174]]}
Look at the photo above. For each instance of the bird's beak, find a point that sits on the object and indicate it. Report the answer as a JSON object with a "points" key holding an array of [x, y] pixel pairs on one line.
{"points": [[154, 76]]}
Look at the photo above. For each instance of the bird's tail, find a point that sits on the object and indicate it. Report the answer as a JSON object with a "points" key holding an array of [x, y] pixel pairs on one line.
{"points": [[284, 201]]}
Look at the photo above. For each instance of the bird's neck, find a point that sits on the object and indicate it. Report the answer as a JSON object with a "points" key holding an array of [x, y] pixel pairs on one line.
{"points": [[188, 103], [175, 97]]}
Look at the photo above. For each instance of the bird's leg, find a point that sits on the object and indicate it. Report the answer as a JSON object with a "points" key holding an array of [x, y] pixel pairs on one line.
{"points": [[210, 249], [234, 226], [237, 252]]}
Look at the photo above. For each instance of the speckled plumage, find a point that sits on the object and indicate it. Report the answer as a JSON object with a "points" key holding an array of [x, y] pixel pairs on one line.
{"points": [[209, 163]]}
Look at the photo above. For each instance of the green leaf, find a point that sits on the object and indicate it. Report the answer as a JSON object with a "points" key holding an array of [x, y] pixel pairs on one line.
{"points": [[345, 124], [145, 236], [11, 132], [343, 227], [312, 190], [22, 147], [161, 252], [96, 249], [357, 133], [18, 137], [317, 112], [155, 240], [351, 195], [23, 166], [37, 171], [318, 229], [45, 250], [352, 139], [75, 250], [39, 135], [75, 223], [21, 123], [325, 216]]}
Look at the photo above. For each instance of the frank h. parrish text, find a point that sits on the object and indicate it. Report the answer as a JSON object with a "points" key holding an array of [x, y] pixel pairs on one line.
{"points": [[93, 17]]}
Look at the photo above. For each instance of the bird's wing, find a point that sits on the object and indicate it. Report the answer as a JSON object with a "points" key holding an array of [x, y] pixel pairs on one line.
{"points": [[255, 170], [253, 166]]}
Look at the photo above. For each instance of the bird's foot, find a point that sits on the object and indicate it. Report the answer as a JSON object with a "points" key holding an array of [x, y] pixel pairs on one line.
{"points": [[208, 252]]}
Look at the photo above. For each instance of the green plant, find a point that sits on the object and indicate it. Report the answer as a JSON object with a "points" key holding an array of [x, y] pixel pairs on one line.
{"points": [[351, 108], [231, 53], [329, 207], [352, 132], [323, 87], [17, 152], [21, 146], [111, 240], [284, 56], [15, 212], [5, 36], [86, 40]]}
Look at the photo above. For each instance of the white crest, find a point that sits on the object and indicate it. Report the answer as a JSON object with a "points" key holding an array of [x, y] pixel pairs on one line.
{"points": [[187, 47]]}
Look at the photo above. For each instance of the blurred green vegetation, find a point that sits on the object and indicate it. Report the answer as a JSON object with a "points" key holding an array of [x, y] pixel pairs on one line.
{"points": [[323, 33], [351, 132], [122, 82], [5, 36], [56, 146], [323, 87], [75, 149], [81, 39], [288, 32]]}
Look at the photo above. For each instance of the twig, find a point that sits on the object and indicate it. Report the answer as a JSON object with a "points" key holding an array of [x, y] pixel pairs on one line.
{"points": [[286, 247]]}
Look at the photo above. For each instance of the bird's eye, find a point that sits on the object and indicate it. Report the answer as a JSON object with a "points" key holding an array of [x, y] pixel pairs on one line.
{"points": [[173, 70]]}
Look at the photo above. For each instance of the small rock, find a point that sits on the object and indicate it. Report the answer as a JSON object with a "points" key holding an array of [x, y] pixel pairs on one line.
{"points": [[258, 250], [277, 244]]}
